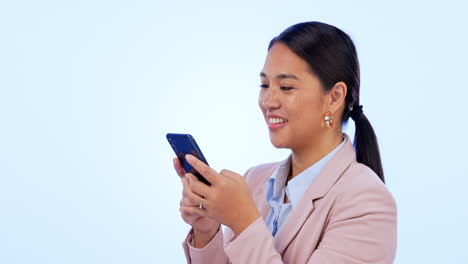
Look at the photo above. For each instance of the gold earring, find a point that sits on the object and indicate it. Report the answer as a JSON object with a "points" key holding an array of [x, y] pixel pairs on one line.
{"points": [[328, 120]]}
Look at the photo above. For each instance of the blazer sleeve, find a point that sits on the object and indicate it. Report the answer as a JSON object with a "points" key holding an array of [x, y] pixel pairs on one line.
{"points": [[256, 243], [362, 229], [213, 252]]}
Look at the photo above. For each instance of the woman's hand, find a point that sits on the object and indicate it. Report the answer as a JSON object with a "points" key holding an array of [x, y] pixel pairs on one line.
{"points": [[228, 200], [204, 228]]}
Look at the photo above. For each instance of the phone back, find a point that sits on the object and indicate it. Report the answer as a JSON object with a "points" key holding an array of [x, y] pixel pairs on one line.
{"points": [[183, 144]]}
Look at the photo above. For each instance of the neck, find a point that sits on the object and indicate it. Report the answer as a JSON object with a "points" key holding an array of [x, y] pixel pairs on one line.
{"points": [[308, 155]]}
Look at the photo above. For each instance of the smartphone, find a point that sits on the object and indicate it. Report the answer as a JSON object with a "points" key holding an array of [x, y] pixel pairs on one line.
{"points": [[183, 144]]}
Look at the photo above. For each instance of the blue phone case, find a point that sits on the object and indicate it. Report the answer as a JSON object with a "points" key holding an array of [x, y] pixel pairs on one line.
{"points": [[183, 144]]}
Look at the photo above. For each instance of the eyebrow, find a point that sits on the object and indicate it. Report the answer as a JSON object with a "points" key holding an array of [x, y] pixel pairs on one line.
{"points": [[282, 76]]}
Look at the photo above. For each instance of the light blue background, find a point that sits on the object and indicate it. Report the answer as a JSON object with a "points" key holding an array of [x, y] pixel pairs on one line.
{"points": [[89, 89]]}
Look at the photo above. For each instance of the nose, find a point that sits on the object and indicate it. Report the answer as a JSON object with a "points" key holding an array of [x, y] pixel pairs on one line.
{"points": [[269, 99]]}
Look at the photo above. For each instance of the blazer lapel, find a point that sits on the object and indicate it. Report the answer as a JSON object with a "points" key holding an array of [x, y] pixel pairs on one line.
{"points": [[261, 202], [317, 189]]}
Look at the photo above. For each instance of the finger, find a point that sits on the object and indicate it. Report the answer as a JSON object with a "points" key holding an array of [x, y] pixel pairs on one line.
{"points": [[189, 197], [178, 167], [187, 202], [202, 168], [192, 211], [184, 181], [188, 217], [229, 174], [198, 187]]}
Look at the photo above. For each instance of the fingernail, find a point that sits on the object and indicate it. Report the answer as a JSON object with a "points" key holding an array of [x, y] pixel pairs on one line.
{"points": [[188, 157]]}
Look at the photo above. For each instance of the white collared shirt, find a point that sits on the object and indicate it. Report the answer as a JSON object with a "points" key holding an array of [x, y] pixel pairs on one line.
{"points": [[279, 211]]}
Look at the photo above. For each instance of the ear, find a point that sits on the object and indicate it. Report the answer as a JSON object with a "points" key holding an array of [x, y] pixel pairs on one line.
{"points": [[337, 96]]}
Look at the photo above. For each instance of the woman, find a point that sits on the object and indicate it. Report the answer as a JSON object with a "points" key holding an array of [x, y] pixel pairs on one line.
{"points": [[325, 203]]}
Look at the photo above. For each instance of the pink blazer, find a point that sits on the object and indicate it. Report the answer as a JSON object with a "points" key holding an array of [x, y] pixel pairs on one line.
{"points": [[347, 215]]}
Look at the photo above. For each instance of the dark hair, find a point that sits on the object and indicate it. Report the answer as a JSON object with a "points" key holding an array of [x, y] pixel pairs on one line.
{"points": [[332, 56]]}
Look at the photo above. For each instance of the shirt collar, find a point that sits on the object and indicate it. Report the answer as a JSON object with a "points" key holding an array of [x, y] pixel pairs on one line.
{"points": [[277, 181], [299, 184]]}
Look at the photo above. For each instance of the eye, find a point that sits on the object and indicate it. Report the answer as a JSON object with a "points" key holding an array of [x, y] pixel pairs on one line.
{"points": [[286, 88], [263, 85]]}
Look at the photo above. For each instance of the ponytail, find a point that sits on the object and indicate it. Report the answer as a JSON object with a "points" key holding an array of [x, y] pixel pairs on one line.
{"points": [[365, 143]]}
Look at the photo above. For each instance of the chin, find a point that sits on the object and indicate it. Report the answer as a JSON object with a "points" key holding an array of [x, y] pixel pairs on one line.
{"points": [[278, 142]]}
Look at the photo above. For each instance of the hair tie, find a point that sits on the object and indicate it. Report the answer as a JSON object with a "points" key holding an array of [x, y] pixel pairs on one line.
{"points": [[356, 112]]}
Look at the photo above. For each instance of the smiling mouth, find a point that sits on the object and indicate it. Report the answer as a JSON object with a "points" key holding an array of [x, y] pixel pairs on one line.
{"points": [[277, 120]]}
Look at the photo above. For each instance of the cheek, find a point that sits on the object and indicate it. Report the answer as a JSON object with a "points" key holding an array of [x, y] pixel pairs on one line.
{"points": [[261, 98], [308, 110]]}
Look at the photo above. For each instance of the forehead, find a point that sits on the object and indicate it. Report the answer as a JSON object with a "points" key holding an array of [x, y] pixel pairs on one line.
{"points": [[280, 59]]}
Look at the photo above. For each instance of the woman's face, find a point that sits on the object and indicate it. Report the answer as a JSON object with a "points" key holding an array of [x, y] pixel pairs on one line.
{"points": [[291, 98]]}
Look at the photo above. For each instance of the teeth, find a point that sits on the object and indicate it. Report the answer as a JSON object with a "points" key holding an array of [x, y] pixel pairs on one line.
{"points": [[277, 120]]}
